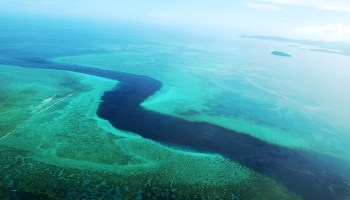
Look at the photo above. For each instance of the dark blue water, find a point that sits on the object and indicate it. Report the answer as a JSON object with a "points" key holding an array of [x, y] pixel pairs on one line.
{"points": [[311, 175]]}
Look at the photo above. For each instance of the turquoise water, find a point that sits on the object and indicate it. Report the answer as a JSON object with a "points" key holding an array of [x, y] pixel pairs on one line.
{"points": [[290, 101], [298, 102]]}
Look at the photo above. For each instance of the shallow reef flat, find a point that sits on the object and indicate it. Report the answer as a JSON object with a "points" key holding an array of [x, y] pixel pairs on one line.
{"points": [[54, 146], [24, 93]]}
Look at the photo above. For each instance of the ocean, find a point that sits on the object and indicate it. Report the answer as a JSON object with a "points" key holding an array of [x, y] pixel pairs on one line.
{"points": [[129, 111]]}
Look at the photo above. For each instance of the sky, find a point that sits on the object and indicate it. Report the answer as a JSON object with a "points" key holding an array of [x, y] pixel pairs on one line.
{"points": [[327, 20]]}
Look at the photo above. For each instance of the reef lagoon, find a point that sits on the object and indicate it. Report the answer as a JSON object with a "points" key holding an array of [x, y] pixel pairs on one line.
{"points": [[92, 111]]}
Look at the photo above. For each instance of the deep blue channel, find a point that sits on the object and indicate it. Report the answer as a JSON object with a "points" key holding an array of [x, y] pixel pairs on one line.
{"points": [[311, 175]]}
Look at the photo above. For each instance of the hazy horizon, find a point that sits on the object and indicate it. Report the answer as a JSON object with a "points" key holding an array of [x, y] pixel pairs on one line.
{"points": [[298, 19]]}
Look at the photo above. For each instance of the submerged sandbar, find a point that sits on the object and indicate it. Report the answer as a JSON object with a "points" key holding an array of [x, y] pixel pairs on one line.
{"points": [[280, 53]]}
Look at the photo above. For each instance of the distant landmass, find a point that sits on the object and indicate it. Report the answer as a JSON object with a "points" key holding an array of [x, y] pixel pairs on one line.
{"points": [[326, 51], [340, 47], [280, 53]]}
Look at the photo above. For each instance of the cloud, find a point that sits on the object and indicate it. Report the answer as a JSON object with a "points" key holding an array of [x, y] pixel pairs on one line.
{"points": [[331, 5], [48, 2], [334, 32], [161, 15], [263, 6]]}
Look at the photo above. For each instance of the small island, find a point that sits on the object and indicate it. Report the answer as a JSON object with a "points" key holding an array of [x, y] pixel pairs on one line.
{"points": [[279, 53]]}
